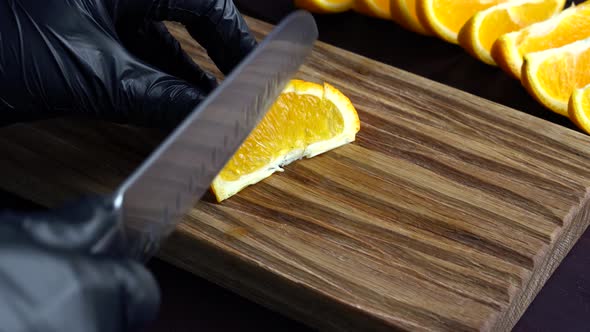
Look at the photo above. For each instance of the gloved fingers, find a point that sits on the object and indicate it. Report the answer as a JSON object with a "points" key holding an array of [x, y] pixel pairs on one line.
{"points": [[156, 99], [152, 42], [216, 24], [99, 293], [129, 282], [90, 224]]}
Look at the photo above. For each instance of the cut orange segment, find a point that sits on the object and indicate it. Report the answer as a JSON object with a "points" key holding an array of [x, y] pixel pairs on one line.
{"points": [[579, 108], [307, 119], [446, 17], [375, 8], [570, 25], [481, 31], [325, 6], [552, 75], [403, 12]]}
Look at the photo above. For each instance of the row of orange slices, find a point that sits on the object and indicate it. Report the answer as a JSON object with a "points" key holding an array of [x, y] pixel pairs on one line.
{"points": [[540, 42]]}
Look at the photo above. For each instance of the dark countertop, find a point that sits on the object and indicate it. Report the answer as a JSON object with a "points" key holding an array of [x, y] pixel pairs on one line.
{"points": [[193, 304]]}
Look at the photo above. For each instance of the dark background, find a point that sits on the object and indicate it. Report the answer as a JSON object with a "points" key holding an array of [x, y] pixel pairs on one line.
{"points": [[193, 304]]}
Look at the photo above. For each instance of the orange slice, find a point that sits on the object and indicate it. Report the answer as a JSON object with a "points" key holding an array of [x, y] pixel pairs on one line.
{"points": [[374, 8], [325, 6], [552, 75], [570, 25], [403, 12], [481, 31], [579, 108], [446, 17], [307, 119]]}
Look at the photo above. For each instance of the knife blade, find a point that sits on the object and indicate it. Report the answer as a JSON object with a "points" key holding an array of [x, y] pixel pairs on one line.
{"points": [[176, 175]]}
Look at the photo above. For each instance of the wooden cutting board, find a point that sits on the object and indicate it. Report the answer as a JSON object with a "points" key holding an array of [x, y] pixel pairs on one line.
{"points": [[449, 212]]}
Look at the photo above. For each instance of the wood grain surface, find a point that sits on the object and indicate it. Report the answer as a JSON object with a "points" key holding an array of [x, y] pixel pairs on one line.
{"points": [[449, 212]]}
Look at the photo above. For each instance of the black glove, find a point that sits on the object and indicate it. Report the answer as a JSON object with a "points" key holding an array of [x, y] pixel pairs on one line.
{"points": [[112, 59], [60, 271]]}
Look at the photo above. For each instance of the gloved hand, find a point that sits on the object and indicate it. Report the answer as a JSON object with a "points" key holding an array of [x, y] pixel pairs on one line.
{"points": [[57, 275], [112, 59]]}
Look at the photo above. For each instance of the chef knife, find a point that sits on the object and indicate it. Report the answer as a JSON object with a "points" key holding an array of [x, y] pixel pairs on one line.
{"points": [[175, 176]]}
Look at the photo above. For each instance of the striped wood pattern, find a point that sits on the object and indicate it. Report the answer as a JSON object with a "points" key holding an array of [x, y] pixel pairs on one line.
{"points": [[449, 212]]}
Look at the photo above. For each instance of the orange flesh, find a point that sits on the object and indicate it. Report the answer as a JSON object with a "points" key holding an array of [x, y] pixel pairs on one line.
{"points": [[586, 99], [455, 13], [292, 123], [573, 73], [501, 22], [570, 29]]}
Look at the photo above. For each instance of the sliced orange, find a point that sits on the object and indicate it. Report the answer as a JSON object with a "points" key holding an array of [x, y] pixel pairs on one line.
{"points": [[551, 76], [325, 6], [375, 8], [579, 108], [446, 17], [403, 12], [570, 25], [307, 119], [481, 31]]}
